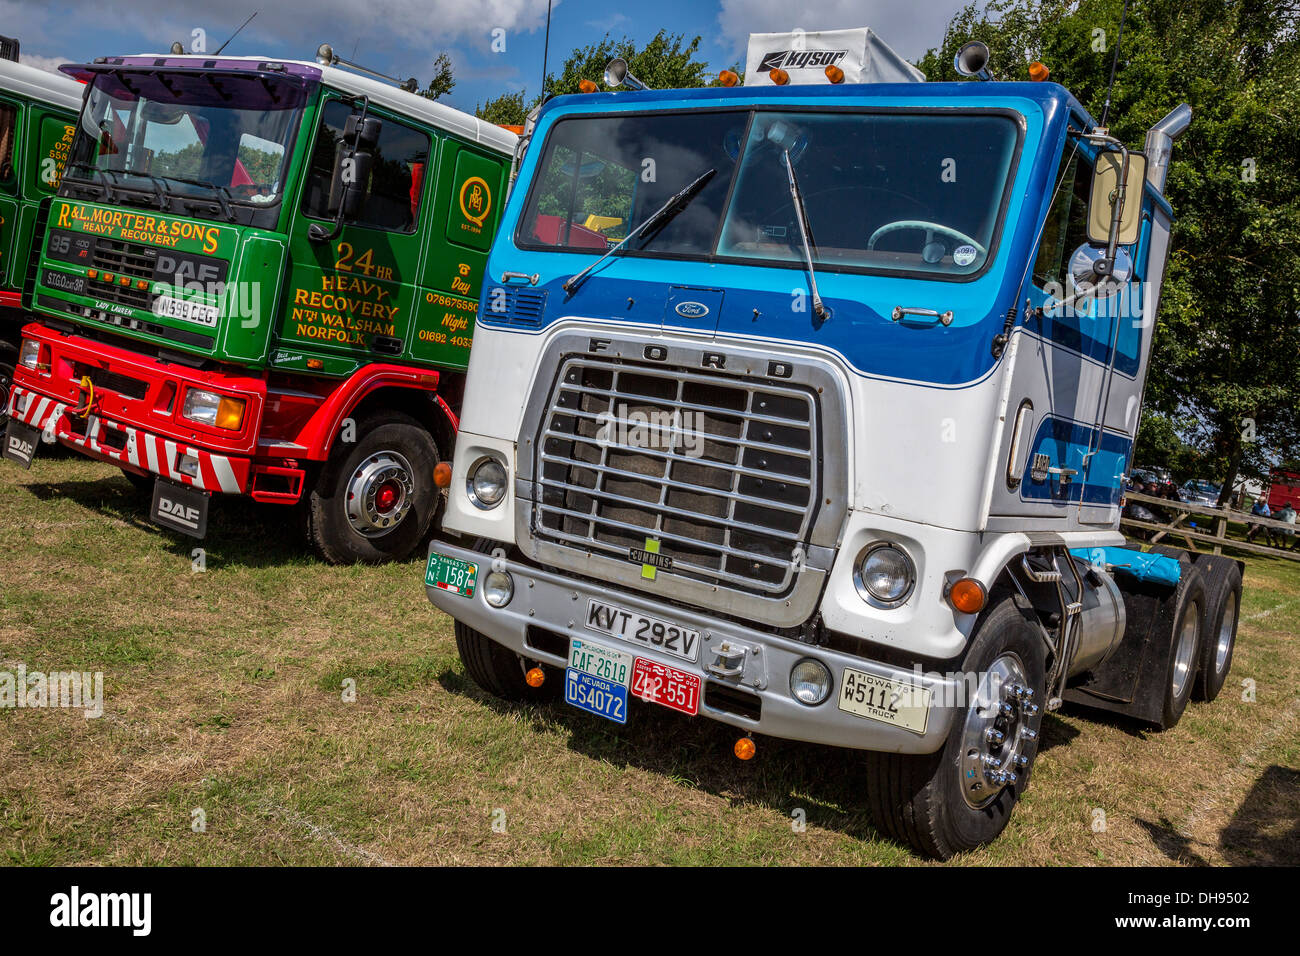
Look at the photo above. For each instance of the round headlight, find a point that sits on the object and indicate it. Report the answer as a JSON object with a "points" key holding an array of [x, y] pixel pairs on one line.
{"points": [[810, 682], [885, 575], [487, 483], [498, 588]]}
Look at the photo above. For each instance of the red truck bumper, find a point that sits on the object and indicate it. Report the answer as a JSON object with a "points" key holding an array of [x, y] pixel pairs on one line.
{"points": [[125, 408]]}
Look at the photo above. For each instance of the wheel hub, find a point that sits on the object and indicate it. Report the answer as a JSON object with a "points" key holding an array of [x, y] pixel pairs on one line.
{"points": [[1184, 666], [379, 493], [1000, 724], [1226, 630]]}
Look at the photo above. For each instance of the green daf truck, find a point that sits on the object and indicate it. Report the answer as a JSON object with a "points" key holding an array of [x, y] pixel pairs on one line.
{"points": [[260, 277], [38, 111]]}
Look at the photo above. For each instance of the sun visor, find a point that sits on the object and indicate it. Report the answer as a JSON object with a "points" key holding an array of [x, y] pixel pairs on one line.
{"points": [[852, 56]]}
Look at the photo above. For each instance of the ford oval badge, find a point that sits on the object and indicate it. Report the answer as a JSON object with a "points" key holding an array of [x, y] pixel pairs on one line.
{"points": [[691, 310]]}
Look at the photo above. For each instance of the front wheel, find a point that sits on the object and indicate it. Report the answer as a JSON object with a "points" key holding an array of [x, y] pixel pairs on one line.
{"points": [[6, 384], [500, 671], [961, 796], [374, 499]]}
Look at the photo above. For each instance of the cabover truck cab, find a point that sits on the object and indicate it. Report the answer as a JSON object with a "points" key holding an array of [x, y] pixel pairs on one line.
{"points": [[862, 490], [260, 278], [38, 111]]}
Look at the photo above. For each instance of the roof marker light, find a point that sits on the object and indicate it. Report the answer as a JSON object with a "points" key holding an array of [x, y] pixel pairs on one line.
{"points": [[1038, 72], [728, 78], [834, 74], [779, 77]]}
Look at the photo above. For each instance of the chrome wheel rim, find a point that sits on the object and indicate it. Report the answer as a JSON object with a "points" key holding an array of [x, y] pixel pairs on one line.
{"points": [[1186, 646], [379, 494], [1227, 631], [1001, 724]]}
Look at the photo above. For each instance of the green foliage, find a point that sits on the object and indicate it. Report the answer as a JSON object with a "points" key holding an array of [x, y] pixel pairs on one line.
{"points": [[1227, 349], [443, 82], [666, 62], [506, 110]]}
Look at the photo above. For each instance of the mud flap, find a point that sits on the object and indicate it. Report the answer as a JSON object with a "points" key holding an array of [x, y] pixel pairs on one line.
{"points": [[21, 442], [180, 508]]}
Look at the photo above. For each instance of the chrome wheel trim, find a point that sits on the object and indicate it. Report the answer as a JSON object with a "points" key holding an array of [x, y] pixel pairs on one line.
{"points": [[1002, 706], [360, 494], [1227, 631], [1184, 666]]}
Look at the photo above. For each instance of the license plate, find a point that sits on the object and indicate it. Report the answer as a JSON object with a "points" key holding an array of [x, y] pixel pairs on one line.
{"points": [[451, 574], [647, 631], [888, 701], [21, 442], [660, 684], [606, 663], [180, 508], [596, 696], [186, 310]]}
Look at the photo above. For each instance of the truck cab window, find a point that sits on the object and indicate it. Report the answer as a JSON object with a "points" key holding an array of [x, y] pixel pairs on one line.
{"points": [[1066, 227], [396, 181], [7, 117]]}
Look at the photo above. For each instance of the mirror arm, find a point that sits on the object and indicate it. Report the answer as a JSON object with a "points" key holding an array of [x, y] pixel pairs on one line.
{"points": [[316, 232]]}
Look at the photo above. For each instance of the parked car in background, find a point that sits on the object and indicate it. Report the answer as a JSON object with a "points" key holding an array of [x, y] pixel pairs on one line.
{"points": [[1200, 491]]}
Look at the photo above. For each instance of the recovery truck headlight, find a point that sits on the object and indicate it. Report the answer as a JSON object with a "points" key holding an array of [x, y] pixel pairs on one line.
{"points": [[498, 588], [209, 408], [30, 354], [884, 575], [810, 682], [487, 483]]}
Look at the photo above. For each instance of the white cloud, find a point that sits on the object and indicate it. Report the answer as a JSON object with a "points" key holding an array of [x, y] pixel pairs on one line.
{"points": [[901, 23], [50, 64]]}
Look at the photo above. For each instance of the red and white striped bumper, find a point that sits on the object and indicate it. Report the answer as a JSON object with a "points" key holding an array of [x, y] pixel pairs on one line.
{"points": [[129, 446]]}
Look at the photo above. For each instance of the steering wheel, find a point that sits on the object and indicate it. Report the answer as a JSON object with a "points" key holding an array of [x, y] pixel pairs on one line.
{"points": [[930, 229]]}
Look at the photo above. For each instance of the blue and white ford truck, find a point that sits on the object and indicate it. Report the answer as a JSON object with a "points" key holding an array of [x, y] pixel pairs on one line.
{"points": [[805, 406]]}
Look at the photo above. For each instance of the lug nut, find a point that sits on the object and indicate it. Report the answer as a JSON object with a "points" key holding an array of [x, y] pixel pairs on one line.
{"points": [[1022, 760], [994, 736], [993, 762], [1006, 709], [1031, 709], [1028, 734]]}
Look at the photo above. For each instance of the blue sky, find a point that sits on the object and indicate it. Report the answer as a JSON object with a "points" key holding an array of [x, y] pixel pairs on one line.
{"points": [[402, 37]]}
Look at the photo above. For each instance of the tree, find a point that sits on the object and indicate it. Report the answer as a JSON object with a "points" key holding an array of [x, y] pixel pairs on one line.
{"points": [[666, 62], [506, 110], [444, 81], [1227, 349]]}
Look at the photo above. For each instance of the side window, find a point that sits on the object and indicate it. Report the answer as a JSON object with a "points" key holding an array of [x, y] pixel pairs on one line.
{"points": [[8, 130], [1067, 220], [584, 201], [396, 179]]}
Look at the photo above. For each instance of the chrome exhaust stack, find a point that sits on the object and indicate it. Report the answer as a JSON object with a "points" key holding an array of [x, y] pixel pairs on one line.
{"points": [[1160, 143]]}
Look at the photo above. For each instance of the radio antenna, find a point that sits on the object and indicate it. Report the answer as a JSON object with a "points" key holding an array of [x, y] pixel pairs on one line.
{"points": [[235, 34], [1105, 110], [546, 47]]}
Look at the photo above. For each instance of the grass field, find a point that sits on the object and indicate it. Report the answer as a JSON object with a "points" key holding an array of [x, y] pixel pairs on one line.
{"points": [[223, 692]]}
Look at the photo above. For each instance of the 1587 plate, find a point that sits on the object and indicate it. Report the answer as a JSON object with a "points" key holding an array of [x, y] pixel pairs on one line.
{"points": [[451, 574]]}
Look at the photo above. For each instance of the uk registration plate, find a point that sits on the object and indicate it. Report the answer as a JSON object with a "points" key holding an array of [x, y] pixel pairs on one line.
{"points": [[888, 701], [661, 684], [596, 679], [451, 574], [637, 628]]}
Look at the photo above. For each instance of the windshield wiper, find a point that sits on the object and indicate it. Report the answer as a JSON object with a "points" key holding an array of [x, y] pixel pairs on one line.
{"points": [[819, 308], [220, 192], [665, 212], [95, 171]]}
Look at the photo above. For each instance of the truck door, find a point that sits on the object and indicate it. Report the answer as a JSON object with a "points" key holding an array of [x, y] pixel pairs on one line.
{"points": [[10, 113], [353, 295]]}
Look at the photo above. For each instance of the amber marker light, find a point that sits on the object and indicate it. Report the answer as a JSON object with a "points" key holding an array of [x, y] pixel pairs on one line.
{"points": [[968, 596], [728, 78], [442, 474], [1038, 72], [587, 86], [745, 748], [779, 77], [535, 677], [834, 74]]}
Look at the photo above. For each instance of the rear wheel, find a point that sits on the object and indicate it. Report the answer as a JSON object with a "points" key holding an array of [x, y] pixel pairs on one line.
{"points": [[500, 671], [1219, 631], [1185, 644], [375, 498], [6, 383], [961, 797]]}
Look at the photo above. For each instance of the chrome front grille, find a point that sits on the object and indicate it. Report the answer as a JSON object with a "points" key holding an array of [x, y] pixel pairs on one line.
{"points": [[127, 260], [719, 473]]}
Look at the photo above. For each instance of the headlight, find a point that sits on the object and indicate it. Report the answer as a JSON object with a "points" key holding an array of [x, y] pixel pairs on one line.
{"points": [[487, 483], [30, 356], [498, 588], [810, 682], [209, 408], [884, 576]]}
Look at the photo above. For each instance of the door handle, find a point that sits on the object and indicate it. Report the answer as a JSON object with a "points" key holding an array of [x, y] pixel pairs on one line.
{"points": [[900, 312], [507, 276]]}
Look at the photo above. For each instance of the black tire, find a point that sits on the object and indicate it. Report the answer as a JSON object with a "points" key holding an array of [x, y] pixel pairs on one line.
{"points": [[6, 384], [1180, 673], [920, 800], [500, 671], [1222, 578], [328, 528], [141, 485]]}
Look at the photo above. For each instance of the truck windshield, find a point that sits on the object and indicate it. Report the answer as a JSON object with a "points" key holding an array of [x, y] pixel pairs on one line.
{"points": [[211, 141], [883, 192]]}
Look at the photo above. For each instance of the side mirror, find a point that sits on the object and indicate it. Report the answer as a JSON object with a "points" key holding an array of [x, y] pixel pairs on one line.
{"points": [[1105, 194], [356, 183], [362, 132]]}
